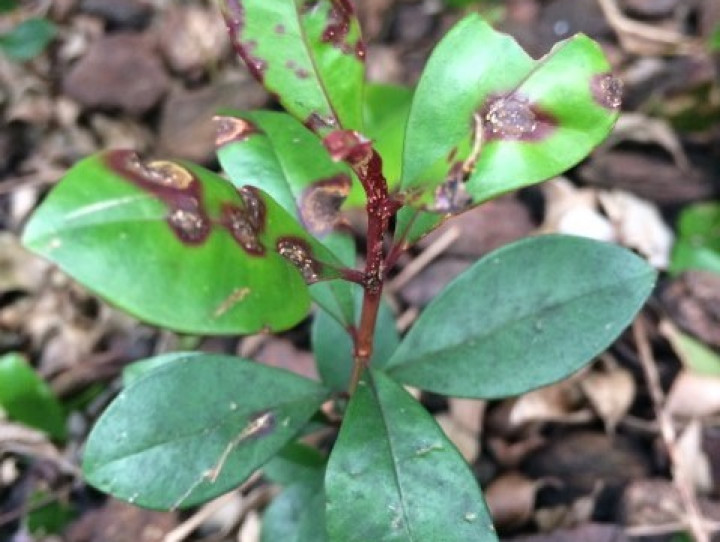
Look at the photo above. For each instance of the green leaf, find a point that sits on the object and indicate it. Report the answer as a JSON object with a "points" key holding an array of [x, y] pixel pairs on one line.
{"points": [[295, 463], [698, 243], [393, 467], [50, 518], [413, 224], [333, 347], [524, 316], [695, 355], [297, 514], [7, 5], [714, 40], [28, 39], [530, 120], [196, 428], [140, 369], [310, 55], [178, 246], [386, 109], [25, 397], [274, 152]]}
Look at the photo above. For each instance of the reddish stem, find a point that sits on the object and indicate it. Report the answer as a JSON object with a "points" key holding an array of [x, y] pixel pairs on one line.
{"points": [[380, 208]]}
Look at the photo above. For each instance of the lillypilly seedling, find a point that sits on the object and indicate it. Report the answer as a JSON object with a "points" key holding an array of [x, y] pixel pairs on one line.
{"points": [[184, 248]]}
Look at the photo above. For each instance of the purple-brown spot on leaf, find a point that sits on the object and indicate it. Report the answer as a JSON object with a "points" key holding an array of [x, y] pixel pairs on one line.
{"points": [[338, 26], [190, 226], [301, 73], [348, 145], [299, 253], [174, 185], [360, 50], [254, 207], [230, 129], [279, 29], [320, 204], [317, 123], [234, 15], [237, 221], [514, 118], [607, 90], [451, 196]]}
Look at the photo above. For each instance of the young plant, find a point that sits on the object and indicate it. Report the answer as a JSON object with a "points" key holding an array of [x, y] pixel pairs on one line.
{"points": [[181, 247]]}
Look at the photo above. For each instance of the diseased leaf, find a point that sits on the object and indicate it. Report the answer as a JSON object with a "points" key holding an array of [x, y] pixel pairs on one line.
{"points": [[333, 347], [25, 397], [524, 316], [178, 246], [309, 54], [195, 428], [479, 127], [274, 152], [698, 243], [393, 467]]}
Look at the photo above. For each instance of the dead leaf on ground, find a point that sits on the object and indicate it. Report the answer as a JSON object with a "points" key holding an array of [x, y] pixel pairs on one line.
{"points": [[639, 226], [591, 532], [468, 413], [561, 402], [611, 393], [693, 302], [694, 395], [563, 516], [22, 440], [465, 441], [692, 465], [120, 522], [511, 499]]}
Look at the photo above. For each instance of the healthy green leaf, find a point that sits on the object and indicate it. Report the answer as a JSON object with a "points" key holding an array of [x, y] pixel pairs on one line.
{"points": [[309, 54], [7, 5], [297, 514], [25, 397], [139, 369], [46, 515], [333, 347], [28, 39], [295, 463], [486, 118], [178, 246], [394, 467], [413, 224], [698, 243], [524, 316], [714, 40], [195, 428]]}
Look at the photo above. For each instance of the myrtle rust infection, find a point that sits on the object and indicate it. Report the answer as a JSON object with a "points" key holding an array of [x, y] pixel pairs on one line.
{"points": [[320, 203], [245, 223], [234, 14], [318, 124], [174, 185], [300, 73], [299, 253], [607, 90], [349, 146], [515, 118], [338, 26], [231, 129]]}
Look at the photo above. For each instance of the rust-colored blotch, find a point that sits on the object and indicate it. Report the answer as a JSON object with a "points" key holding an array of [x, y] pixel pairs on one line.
{"points": [[229, 129], [320, 204]]}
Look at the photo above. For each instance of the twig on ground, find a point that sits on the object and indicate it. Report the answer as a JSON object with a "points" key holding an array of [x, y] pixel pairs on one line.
{"points": [[695, 521]]}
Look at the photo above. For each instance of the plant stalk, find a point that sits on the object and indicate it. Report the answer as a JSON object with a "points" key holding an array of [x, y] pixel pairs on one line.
{"points": [[380, 209]]}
